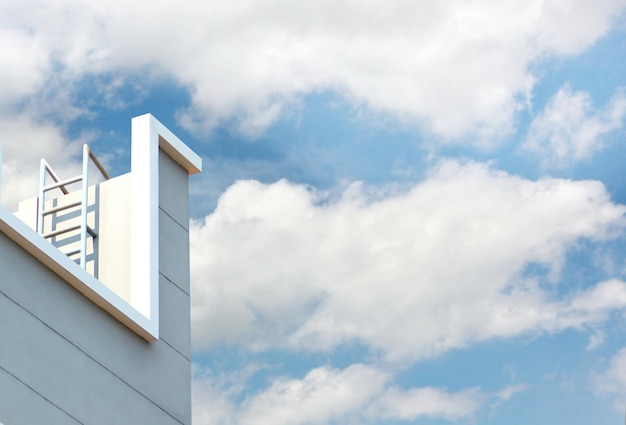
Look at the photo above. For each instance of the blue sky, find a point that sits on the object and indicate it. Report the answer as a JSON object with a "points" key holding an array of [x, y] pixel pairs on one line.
{"points": [[410, 212]]}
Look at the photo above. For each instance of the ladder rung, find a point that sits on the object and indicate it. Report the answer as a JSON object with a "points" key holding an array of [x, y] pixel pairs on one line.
{"points": [[58, 232], [60, 208], [61, 231], [72, 252], [62, 183]]}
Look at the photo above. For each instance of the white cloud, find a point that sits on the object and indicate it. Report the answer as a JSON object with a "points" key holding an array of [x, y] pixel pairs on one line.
{"points": [[458, 67], [409, 274], [571, 129], [25, 140], [25, 65], [322, 395], [433, 402], [613, 379], [595, 340], [358, 394]]}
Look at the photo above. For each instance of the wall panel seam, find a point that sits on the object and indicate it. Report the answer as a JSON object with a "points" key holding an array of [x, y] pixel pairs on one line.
{"points": [[92, 358], [174, 348], [186, 229], [39, 394], [174, 283]]}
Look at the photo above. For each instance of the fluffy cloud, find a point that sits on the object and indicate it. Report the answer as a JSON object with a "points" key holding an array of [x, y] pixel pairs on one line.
{"points": [[613, 380], [410, 274], [407, 405], [570, 128], [25, 140], [324, 394], [357, 394], [458, 67], [25, 66]]}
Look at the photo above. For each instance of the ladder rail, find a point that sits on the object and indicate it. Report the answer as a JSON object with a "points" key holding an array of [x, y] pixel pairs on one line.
{"points": [[83, 208]]}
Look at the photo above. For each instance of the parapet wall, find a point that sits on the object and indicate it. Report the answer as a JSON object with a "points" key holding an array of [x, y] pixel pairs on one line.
{"points": [[75, 353]]}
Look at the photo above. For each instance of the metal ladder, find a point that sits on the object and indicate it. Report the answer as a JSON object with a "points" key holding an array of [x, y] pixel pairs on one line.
{"points": [[83, 228]]}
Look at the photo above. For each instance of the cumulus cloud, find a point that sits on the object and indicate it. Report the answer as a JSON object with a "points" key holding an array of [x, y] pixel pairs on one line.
{"points": [[612, 380], [324, 394], [459, 68], [570, 128], [410, 274], [25, 140], [357, 394], [407, 405], [25, 66]]}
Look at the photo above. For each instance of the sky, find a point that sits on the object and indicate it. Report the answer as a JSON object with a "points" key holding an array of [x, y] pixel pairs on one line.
{"points": [[411, 212]]}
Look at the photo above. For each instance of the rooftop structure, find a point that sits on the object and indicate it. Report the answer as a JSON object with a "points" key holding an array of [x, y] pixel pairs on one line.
{"points": [[94, 291]]}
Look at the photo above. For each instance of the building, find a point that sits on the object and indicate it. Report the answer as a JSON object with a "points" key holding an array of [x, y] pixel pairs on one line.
{"points": [[94, 293]]}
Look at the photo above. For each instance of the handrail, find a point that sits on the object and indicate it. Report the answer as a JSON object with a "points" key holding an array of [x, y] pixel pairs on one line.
{"points": [[45, 167], [97, 163], [45, 170]]}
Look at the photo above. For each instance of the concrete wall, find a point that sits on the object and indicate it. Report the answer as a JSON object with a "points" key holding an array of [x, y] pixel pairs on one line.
{"points": [[63, 360], [113, 241]]}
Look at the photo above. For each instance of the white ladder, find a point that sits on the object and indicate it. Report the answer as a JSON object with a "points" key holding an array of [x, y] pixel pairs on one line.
{"points": [[83, 228]]}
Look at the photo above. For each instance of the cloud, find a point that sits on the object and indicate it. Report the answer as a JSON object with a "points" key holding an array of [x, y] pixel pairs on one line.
{"points": [[356, 394], [433, 402], [25, 66], [409, 274], [25, 141], [324, 394], [613, 379], [461, 69], [570, 128]]}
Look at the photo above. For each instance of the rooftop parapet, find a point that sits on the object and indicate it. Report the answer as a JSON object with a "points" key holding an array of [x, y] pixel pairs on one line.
{"points": [[119, 269]]}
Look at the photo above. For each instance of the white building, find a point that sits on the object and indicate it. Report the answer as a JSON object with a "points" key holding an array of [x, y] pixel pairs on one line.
{"points": [[94, 294]]}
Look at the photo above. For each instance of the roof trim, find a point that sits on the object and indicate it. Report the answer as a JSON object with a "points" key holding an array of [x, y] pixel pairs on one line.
{"points": [[172, 145]]}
